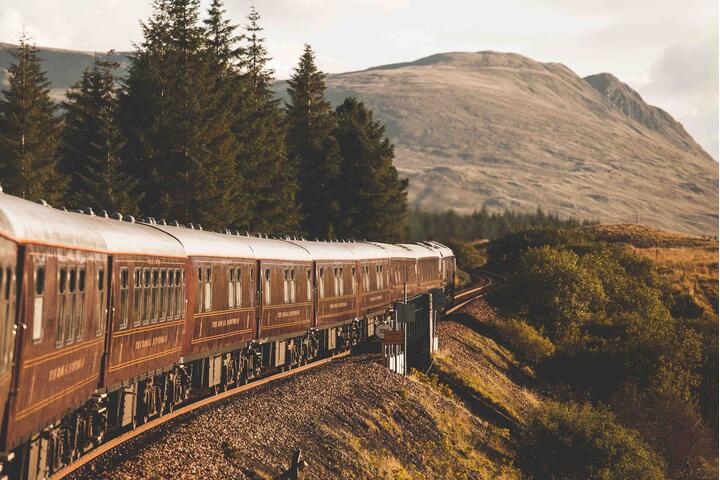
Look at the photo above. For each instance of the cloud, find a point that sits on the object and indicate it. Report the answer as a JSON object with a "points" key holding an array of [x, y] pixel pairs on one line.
{"points": [[684, 81]]}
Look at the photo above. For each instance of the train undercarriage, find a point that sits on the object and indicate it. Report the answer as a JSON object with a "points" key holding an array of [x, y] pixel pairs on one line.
{"points": [[110, 413]]}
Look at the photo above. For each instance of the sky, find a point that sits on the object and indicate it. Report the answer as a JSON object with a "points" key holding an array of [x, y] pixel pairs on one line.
{"points": [[665, 49]]}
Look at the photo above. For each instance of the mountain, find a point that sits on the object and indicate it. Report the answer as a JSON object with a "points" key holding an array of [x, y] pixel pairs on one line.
{"points": [[502, 131], [64, 67]]}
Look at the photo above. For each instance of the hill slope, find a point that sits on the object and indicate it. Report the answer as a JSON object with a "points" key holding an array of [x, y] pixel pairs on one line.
{"points": [[503, 131]]}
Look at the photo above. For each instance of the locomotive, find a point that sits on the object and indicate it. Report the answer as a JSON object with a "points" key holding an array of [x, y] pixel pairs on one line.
{"points": [[107, 323]]}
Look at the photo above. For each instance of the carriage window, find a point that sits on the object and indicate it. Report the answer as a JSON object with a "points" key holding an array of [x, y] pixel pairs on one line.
{"points": [[208, 289], [147, 312], [155, 299], [268, 296], [292, 286], [100, 302], [80, 306], [179, 296], [137, 296], [353, 280], [38, 303], [286, 285], [199, 292], [231, 287], [381, 285], [72, 305], [173, 287], [341, 281], [308, 284], [238, 287], [124, 292], [61, 287], [163, 295], [321, 283], [336, 289]]}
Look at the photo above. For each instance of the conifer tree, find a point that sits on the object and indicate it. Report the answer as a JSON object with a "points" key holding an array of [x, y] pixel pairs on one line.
{"points": [[313, 148], [270, 180], [373, 199], [29, 130], [176, 123], [90, 144]]}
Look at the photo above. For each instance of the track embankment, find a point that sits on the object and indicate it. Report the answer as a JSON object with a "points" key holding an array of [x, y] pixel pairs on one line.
{"points": [[351, 418]]}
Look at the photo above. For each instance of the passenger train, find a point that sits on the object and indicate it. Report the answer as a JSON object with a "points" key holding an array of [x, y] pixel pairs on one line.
{"points": [[107, 323]]}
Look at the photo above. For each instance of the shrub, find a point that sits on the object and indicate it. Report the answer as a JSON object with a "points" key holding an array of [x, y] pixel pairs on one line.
{"points": [[528, 344], [462, 279], [466, 256], [580, 442]]}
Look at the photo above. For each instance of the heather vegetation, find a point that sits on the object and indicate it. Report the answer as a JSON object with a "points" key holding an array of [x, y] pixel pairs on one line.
{"points": [[608, 332]]}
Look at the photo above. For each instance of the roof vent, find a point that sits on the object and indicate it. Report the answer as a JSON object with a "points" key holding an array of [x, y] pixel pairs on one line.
{"points": [[192, 226], [199, 227], [1, 190], [105, 214], [118, 216], [175, 223], [90, 212], [163, 221], [41, 201], [79, 210], [130, 219]]}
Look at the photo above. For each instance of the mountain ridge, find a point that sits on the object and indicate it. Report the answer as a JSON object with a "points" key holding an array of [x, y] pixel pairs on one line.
{"points": [[503, 131]]}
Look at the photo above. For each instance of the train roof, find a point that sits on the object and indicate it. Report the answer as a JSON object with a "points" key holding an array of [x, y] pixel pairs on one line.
{"points": [[421, 251], [121, 237], [320, 250], [444, 250], [367, 250], [394, 251], [29, 222], [275, 249], [201, 243]]}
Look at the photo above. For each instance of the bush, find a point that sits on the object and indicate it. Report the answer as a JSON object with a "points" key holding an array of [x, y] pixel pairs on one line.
{"points": [[462, 279], [528, 344], [580, 442], [466, 256]]}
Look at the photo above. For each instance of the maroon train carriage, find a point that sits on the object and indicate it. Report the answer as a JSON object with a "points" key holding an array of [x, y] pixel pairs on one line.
{"points": [[428, 266], [61, 275], [140, 376], [447, 268], [403, 272]]}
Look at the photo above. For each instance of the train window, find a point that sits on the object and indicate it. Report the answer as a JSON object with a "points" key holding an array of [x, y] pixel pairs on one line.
{"points": [[38, 303], [231, 288], [208, 289], [308, 284], [199, 292], [381, 277], [341, 281], [147, 313], [366, 278], [353, 280], [238, 287], [71, 306], [321, 282], [268, 295], [124, 292], [163, 295], [286, 285], [80, 305], [137, 296], [173, 287], [336, 288], [181, 300], [61, 287], [179, 297], [100, 317], [155, 296], [9, 318], [292, 286]]}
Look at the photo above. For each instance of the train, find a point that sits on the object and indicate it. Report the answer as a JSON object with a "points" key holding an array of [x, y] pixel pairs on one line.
{"points": [[107, 322]]}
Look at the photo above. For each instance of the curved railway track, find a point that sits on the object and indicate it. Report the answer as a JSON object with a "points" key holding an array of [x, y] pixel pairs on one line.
{"points": [[464, 297]]}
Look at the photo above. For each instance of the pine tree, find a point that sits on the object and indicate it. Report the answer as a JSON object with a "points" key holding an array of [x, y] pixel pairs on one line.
{"points": [[29, 130], [373, 199], [90, 144], [313, 148], [270, 180], [175, 121]]}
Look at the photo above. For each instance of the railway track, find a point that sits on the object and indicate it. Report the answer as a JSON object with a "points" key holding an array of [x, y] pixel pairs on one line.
{"points": [[464, 297], [120, 439]]}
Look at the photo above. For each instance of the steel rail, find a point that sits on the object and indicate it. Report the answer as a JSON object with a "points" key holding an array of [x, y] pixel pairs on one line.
{"points": [[124, 437]]}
